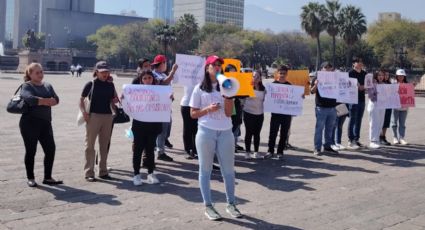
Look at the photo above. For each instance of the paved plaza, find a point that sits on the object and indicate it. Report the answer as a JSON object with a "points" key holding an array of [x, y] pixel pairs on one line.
{"points": [[367, 189]]}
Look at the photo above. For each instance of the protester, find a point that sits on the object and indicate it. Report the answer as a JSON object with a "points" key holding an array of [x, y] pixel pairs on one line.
{"points": [[145, 134], [253, 117], [214, 137], [159, 65], [325, 116], [356, 111], [279, 121], [376, 115], [36, 124], [237, 122], [387, 119], [398, 118], [99, 119], [190, 125], [143, 65], [79, 70], [72, 68]]}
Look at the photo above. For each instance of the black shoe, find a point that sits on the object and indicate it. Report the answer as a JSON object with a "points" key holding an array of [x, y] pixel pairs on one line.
{"points": [[190, 156], [52, 181], [289, 146], [106, 177], [216, 167], [359, 144], [168, 144], [90, 179], [164, 157], [383, 141], [330, 150], [31, 183], [239, 148]]}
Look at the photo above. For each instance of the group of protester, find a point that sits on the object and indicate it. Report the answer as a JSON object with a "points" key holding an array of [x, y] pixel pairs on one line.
{"points": [[210, 123], [76, 69]]}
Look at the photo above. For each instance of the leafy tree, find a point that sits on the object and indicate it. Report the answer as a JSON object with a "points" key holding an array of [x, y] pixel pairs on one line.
{"points": [[187, 34], [332, 23]]}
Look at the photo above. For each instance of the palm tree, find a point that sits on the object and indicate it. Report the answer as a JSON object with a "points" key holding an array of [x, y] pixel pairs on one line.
{"points": [[166, 34], [352, 27], [332, 22], [187, 33], [312, 22]]}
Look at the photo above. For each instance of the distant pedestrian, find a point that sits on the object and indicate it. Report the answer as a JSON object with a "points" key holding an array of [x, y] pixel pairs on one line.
{"points": [[72, 68], [79, 69]]}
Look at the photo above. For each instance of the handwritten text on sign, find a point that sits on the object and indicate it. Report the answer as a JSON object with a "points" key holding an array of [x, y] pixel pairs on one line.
{"points": [[348, 90], [149, 103], [190, 71], [407, 95], [284, 99], [368, 81], [388, 96], [328, 84]]}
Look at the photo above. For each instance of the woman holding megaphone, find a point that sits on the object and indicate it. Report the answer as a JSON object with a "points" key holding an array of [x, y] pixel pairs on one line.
{"points": [[214, 136]]}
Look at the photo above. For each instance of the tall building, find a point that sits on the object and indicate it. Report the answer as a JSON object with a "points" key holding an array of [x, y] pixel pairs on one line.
{"points": [[212, 11], [389, 16], [10, 16], [2, 20], [163, 9]]}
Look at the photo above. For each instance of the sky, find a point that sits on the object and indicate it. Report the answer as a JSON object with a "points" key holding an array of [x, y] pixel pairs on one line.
{"points": [[411, 9]]}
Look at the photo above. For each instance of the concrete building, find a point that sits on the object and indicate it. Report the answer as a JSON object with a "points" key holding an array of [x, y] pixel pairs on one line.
{"points": [[212, 11], [163, 9], [2, 20], [389, 16]]}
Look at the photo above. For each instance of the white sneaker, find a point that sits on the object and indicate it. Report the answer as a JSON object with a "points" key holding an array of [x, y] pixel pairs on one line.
{"points": [[341, 147], [335, 147], [256, 155], [403, 142], [248, 156], [152, 179], [137, 180], [353, 145], [395, 141], [373, 145]]}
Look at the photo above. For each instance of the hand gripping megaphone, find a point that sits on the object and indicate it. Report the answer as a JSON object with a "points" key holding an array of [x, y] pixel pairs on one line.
{"points": [[229, 86]]}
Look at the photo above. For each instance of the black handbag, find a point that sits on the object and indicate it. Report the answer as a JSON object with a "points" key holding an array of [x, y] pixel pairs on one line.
{"points": [[17, 104], [120, 116]]}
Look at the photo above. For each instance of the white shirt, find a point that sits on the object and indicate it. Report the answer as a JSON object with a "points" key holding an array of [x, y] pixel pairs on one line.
{"points": [[188, 90], [254, 105], [213, 120]]}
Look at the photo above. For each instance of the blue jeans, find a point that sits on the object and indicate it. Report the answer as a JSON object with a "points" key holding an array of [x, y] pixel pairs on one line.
{"points": [[209, 143], [325, 120], [337, 133], [398, 123], [356, 115], [164, 135]]}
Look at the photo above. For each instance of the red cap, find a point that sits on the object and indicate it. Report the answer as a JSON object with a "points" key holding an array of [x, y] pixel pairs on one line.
{"points": [[159, 59], [213, 59]]}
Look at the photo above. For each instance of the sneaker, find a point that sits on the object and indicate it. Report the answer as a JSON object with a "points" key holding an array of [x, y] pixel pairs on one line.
{"points": [[289, 146], [168, 144], [239, 148], [280, 156], [403, 142], [359, 144], [90, 179], [31, 183], [396, 141], [383, 141], [331, 150], [374, 145], [316, 152], [248, 156], [256, 155], [353, 145], [268, 155], [137, 180], [52, 181], [233, 211], [335, 147], [164, 157], [106, 177], [211, 213], [341, 147], [152, 179]]}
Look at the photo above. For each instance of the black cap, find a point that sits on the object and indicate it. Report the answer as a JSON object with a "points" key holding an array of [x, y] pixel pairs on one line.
{"points": [[101, 66]]}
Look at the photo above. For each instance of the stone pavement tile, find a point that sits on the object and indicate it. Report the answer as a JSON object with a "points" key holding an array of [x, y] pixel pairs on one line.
{"points": [[404, 226], [419, 220]]}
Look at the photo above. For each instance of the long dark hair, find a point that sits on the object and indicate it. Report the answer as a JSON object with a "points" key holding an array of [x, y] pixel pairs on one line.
{"points": [[375, 75], [206, 84], [260, 83], [146, 72]]}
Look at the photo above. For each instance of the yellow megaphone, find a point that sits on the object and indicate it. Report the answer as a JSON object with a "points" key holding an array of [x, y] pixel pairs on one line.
{"points": [[229, 86]]}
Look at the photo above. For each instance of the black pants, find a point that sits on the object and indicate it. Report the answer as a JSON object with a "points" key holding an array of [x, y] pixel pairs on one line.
{"points": [[34, 130], [283, 122], [143, 141], [190, 127], [253, 125], [387, 118]]}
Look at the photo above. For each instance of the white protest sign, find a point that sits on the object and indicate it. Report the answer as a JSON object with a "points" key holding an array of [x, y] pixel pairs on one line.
{"points": [[284, 99], [368, 81], [190, 71], [347, 89], [388, 96], [327, 84], [148, 103]]}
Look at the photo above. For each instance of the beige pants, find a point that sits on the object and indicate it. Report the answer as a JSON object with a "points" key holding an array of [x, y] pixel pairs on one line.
{"points": [[98, 125]]}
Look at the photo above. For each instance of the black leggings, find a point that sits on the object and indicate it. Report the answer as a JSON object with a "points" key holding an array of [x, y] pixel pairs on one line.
{"points": [[253, 124], [190, 128], [143, 141], [283, 122], [34, 130]]}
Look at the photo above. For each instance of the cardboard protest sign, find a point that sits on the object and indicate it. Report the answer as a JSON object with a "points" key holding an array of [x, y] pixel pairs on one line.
{"points": [[149, 103], [407, 95], [347, 89], [327, 84], [190, 71], [245, 79], [300, 78], [368, 81], [284, 99], [388, 96]]}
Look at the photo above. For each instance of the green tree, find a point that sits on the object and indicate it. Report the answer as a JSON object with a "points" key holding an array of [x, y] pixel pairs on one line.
{"points": [[38, 42], [312, 16], [352, 27], [166, 36], [332, 22], [187, 34]]}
